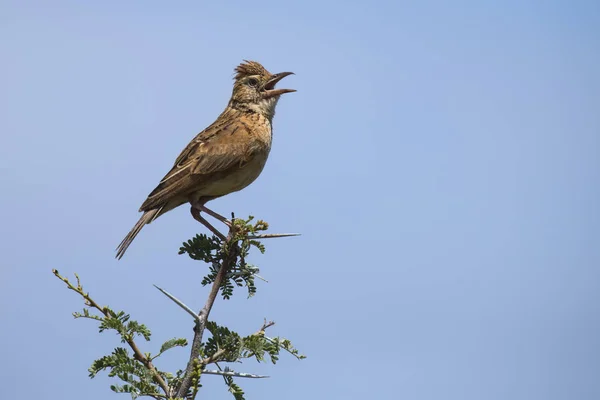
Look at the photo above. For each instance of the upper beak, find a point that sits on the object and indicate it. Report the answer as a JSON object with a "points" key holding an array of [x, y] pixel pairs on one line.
{"points": [[269, 88]]}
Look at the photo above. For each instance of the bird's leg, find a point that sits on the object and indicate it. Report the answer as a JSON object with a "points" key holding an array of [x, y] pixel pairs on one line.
{"points": [[213, 214], [196, 214]]}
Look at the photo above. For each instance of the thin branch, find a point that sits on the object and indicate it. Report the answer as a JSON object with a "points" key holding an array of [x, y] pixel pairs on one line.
{"points": [[156, 395], [215, 357], [282, 347], [138, 355], [266, 325]]}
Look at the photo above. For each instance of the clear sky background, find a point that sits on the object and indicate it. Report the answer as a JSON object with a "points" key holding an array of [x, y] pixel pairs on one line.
{"points": [[441, 160]]}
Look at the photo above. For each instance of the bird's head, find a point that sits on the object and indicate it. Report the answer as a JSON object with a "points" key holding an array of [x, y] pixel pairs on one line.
{"points": [[254, 88]]}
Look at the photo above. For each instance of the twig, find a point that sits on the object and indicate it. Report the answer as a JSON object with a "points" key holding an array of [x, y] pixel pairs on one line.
{"points": [[215, 357], [266, 325], [104, 310], [281, 347]]}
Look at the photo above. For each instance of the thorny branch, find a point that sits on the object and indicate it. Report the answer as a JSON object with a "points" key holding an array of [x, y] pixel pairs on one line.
{"points": [[194, 362], [189, 384], [137, 353]]}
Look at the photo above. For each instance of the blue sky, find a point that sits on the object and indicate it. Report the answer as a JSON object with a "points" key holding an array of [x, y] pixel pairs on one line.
{"points": [[441, 160]]}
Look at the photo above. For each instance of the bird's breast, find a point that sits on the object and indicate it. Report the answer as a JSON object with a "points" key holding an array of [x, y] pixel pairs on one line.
{"points": [[258, 147], [237, 178]]}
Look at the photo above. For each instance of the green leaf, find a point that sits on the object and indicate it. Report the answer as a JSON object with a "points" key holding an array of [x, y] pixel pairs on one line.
{"points": [[175, 342], [234, 389]]}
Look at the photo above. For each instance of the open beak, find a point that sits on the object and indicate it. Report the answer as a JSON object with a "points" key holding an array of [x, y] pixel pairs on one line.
{"points": [[269, 89]]}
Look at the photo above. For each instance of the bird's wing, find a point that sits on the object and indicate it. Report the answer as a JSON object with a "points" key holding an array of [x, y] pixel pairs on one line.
{"points": [[216, 149]]}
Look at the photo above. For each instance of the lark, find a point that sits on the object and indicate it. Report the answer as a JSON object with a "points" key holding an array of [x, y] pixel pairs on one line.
{"points": [[225, 157]]}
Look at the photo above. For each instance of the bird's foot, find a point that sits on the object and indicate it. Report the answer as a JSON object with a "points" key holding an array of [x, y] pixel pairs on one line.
{"points": [[196, 214], [215, 215]]}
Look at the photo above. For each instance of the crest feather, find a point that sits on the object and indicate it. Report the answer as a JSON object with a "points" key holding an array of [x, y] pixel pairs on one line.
{"points": [[248, 68]]}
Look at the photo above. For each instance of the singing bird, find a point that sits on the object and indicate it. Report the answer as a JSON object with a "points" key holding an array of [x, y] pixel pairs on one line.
{"points": [[225, 157]]}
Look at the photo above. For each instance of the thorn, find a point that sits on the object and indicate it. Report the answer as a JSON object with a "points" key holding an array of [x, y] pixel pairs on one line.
{"points": [[180, 304], [273, 235], [233, 373]]}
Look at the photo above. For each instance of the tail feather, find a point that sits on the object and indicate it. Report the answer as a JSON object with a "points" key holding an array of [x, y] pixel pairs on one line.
{"points": [[146, 218]]}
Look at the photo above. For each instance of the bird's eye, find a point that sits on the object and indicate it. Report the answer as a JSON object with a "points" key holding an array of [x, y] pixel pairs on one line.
{"points": [[253, 82]]}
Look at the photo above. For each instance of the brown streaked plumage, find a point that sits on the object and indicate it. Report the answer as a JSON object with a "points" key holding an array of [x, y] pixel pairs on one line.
{"points": [[225, 157]]}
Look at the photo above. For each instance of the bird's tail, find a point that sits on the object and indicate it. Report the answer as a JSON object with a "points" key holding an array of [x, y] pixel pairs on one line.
{"points": [[146, 218]]}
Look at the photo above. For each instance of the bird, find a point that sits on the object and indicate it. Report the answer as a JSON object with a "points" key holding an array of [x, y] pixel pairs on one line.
{"points": [[225, 157]]}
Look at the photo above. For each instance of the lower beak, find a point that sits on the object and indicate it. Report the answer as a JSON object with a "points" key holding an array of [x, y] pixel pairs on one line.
{"points": [[270, 90]]}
